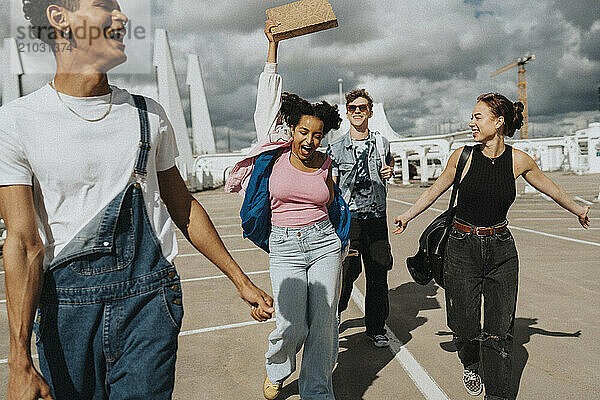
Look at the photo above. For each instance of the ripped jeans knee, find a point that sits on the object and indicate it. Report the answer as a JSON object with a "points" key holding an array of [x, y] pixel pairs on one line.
{"points": [[499, 343]]}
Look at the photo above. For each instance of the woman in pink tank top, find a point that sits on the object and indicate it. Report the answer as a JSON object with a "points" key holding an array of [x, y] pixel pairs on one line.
{"points": [[304, 249]]}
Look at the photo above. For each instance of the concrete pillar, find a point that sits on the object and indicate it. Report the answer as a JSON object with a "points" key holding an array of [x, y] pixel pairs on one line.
{"points": [[11, 69], [424, 167], [405, 168], [594, 155], [544, 158], [204, 140], [169, 98]]}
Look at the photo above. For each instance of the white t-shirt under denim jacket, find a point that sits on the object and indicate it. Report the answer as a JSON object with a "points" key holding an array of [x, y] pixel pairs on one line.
{"points": [[77, 167]]}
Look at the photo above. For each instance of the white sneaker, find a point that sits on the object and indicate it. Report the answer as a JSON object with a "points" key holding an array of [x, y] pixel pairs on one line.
{"points": [[472, 382], [380, 340]]}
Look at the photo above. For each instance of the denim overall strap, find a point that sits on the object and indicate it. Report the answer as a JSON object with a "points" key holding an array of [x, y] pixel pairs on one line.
{"points": [[144, 147], [106, 232], [98, 235], [111, 307]]}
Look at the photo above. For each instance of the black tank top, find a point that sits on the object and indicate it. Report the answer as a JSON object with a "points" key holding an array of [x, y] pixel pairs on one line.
{"points": [[487, 190]]}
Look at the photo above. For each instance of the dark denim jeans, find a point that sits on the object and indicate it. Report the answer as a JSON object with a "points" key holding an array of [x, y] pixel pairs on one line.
{"points": [[370, 238], [475, 266], [111, 310]]}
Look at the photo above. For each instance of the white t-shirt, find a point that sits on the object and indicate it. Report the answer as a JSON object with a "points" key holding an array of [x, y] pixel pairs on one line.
{"points": [[77, 167]]}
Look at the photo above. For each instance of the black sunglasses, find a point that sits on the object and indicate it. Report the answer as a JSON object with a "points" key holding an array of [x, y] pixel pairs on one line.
{"points": [[362, 107]]}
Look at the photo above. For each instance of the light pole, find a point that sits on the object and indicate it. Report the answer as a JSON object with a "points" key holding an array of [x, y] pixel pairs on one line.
{"points": [[229, 140]]}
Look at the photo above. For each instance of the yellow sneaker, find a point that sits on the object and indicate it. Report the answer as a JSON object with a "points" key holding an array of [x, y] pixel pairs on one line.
{"points": [[271, 390]]}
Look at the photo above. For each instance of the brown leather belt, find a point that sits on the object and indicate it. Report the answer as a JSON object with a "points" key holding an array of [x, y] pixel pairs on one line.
{"points": [[487, 231]]}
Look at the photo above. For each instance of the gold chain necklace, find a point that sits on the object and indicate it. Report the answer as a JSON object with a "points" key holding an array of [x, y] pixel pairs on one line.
{"points": [[53, 84]]}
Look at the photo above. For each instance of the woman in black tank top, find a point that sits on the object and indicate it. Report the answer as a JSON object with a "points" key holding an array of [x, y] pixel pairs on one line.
{"points": [[481, 257]]}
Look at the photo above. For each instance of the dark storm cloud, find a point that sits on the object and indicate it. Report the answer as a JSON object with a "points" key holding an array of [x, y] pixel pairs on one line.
{"points": [[590, 45], [582, 13], [425, 60]]}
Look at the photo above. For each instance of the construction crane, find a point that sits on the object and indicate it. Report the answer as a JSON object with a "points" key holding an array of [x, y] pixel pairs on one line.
{"points": [[522, 87]]}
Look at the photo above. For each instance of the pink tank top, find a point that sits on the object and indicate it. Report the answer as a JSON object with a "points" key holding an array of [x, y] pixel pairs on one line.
{"points": [[298, 198]]}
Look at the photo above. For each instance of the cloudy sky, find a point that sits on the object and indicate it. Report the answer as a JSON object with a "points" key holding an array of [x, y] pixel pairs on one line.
{"points": [[425, 60]]}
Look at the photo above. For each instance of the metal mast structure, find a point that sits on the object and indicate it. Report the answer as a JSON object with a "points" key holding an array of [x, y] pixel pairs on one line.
{"points": [[522, 83]]}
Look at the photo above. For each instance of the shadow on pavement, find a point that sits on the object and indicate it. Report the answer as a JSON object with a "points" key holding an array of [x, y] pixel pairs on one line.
{"points": [[359, 362], [289, 389], [523, 333], [406, 302]]}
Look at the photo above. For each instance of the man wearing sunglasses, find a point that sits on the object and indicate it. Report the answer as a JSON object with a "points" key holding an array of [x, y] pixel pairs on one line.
{"points": [[362, 162]]}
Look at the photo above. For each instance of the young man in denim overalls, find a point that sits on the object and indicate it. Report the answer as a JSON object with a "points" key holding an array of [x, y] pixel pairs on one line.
{"points": [[362, 162], [89, 192]]}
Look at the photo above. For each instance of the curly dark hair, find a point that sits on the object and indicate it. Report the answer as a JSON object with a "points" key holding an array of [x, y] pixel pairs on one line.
{"points": [[503, 107], [35, 13], [356, 93], [293, 107]]}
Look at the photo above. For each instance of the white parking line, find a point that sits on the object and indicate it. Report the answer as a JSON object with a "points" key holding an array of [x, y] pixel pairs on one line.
{"points": [[206, 278], [5, 360], [231, 251], [423, 381], [406, 203], [222, 327], [538, 210], [584, 201], [415, 371], [191, 332], [221, 236], [519, 228], [544, 218], [527, 210], [555, 236], [244, 250]]}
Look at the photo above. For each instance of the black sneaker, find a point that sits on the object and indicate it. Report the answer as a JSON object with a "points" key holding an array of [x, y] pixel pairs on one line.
{"points": [[380, 340], [472, 382]]}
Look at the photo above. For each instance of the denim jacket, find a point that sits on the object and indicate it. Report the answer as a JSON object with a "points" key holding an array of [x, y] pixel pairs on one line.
{"points": [[343, 158]]}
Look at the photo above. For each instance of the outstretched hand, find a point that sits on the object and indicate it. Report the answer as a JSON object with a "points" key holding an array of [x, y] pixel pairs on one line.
{"points": [[584, 219], [401, 221], [270, 24], [261, 303]]}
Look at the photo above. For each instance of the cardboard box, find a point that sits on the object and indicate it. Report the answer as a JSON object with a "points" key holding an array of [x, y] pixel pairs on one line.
{"points": [[302, 17]]}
